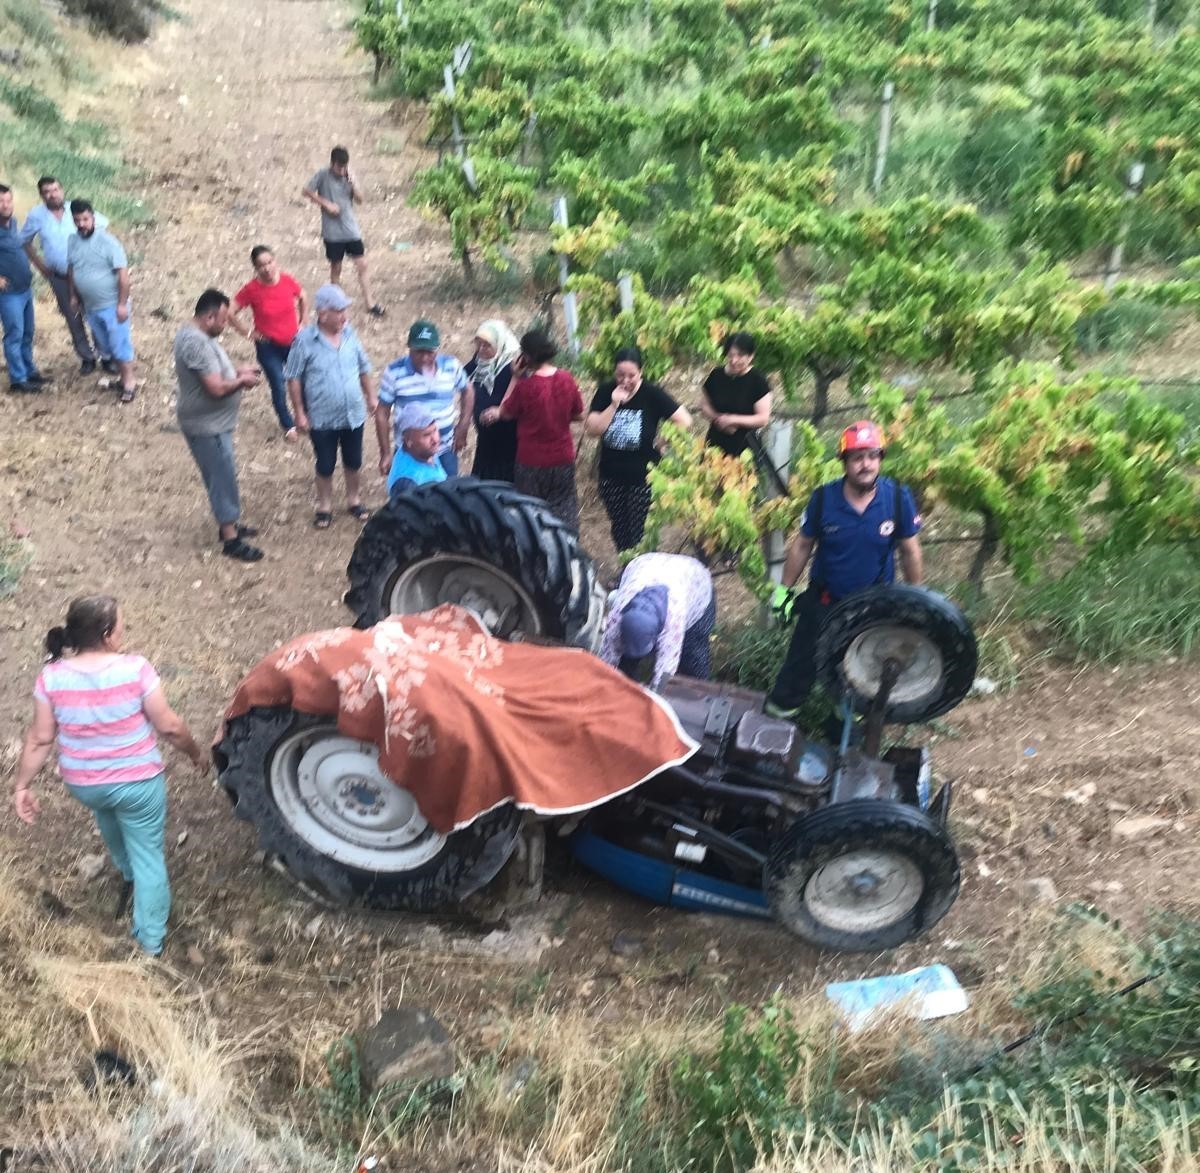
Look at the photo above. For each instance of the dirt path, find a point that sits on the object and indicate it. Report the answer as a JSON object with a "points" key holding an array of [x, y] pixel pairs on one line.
{"points": [[229, 112]]}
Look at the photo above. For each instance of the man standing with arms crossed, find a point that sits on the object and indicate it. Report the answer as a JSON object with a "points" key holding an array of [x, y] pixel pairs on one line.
{"points": [[334, 190], [856, 525], [98, 275], [54, 226]]}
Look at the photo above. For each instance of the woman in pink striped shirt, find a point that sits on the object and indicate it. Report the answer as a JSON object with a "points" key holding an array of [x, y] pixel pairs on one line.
{"points": [[103, 708]]}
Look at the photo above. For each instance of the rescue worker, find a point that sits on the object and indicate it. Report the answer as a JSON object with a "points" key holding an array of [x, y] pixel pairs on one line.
{"points": [[664, 605], [856, 525]]}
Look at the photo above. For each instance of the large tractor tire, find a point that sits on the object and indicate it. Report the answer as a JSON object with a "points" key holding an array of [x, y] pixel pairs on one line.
{"points": [[923, 631], [322, 804], [862, 875], [485, 546]]}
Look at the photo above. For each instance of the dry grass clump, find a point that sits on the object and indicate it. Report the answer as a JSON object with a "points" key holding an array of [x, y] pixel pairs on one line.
{"points": [[60, 1002]]}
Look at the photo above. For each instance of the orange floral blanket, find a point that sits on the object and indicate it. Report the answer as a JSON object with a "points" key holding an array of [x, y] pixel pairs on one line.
{"points": [[464, 721]]}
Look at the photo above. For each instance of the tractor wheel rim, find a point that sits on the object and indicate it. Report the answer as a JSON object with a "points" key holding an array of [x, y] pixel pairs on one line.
{"points": [[501, 603], [332, 793], [919, 657], [864, 890]]}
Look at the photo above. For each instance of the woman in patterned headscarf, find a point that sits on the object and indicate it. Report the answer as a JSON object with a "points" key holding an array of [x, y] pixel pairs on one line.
{"points": [[490, 372]]}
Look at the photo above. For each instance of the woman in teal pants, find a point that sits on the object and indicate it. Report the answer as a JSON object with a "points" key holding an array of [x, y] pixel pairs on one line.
{"points": [[103, 708]]}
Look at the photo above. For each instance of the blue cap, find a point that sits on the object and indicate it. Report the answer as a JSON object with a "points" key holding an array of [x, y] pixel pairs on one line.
{"points": [[642, 621]]}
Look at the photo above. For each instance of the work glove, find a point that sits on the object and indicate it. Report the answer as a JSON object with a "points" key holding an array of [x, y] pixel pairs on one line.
{"points": [[783, 604]]}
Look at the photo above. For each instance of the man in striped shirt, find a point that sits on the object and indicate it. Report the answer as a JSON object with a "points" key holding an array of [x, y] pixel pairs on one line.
{"points": [[435, 381]]}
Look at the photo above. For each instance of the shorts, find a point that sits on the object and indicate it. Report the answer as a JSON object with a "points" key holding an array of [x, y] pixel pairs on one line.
{"points": [[326, 441], [112, 337], [336, 249]]}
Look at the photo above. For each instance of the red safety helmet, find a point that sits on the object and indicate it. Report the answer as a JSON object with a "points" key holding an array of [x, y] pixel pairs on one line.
{"points": [[863, 434]]}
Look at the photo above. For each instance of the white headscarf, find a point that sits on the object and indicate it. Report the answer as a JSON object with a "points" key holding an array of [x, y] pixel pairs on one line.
{"points": [[507, 348]]}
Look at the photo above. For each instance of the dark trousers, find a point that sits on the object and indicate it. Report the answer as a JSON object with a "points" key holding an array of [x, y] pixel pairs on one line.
{"points": [[627, 507], [694, 654], [271, 357], [799, 671], [74, 319], [555, 485]]}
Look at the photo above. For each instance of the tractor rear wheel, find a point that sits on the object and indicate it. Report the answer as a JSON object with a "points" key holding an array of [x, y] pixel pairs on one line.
{"points": [[322, 804], [485, 546]]}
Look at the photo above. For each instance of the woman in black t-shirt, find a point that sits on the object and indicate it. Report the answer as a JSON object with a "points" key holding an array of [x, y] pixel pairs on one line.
{"points": [[625, 414], [490, 372], [737, 398]]}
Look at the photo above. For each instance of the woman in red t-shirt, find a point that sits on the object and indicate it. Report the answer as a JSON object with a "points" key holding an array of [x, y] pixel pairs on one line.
{"points": [[276, 301], [544, 401]]}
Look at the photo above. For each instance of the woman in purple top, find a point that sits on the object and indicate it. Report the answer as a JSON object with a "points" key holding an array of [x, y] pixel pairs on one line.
{"points": [[103, 707]]}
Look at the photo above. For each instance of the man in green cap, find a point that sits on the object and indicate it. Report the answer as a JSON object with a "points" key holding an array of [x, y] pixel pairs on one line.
{"points": [[433, 380]]}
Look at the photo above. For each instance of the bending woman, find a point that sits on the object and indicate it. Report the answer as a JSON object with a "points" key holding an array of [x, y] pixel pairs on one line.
{"points": [[102, 704], [625, 414]]}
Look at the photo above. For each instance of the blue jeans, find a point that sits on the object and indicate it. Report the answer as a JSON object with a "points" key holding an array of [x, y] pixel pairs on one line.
{"points": [[16, 316], [271, 357], [132, 817]]}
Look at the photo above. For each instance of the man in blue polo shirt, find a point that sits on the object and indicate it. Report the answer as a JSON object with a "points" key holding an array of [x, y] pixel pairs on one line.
{"points": [[856, 525]]}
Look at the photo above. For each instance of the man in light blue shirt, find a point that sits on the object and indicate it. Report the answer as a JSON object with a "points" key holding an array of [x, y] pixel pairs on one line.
{"points": [[434, 380], [329, 382], [416, 461], [52, 225], [98, 274]]}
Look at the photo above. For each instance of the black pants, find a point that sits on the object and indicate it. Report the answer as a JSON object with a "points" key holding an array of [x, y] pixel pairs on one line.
{"points": [[555, 485], [694, 655], [627, 507], [799, 671]]}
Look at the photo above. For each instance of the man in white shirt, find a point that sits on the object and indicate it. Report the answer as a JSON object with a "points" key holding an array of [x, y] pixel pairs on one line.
{"points": [[52, 226]]}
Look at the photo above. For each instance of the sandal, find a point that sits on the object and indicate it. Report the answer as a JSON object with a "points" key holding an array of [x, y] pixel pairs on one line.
{"points": [[241, 551], [360, 511], [322, 520], [127, 394]]}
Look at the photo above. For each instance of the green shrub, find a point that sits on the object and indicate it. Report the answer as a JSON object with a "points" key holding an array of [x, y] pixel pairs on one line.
{"points": [[749, 655], [735, 1104], [31, 18], [993, 156], [1141, 608], [1125, 325], [14, 558], [29, 103], [125, 20]]}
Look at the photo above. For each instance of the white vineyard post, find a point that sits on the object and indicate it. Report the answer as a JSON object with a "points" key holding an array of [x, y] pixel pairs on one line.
{"points": [[1151, 15], [931, 16], [885, 136], [1133, 186], [456, 134], [778, 449], [570, 309], [625, 291]]}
